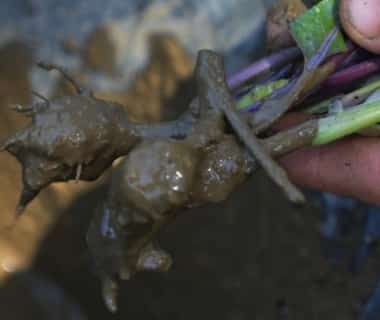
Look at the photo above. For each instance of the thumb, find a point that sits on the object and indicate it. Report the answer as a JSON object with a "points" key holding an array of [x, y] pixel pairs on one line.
{"points": [[360, 19]]}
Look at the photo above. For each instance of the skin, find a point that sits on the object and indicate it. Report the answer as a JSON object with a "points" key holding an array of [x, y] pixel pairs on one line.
{"points": [[360, 21], [349, 167]]}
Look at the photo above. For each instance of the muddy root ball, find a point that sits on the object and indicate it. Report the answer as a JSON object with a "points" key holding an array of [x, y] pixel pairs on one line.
{"points": [[73, 137]]}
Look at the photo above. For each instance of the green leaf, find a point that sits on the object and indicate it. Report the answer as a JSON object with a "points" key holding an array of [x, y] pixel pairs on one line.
{"points": [[311, 28]]}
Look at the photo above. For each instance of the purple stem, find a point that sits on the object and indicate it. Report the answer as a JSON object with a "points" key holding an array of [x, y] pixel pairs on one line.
{"points": [[280, 74], [342, 79], [354, 57], [338, 58], [338, 79], [253, 107], [263, 65], [353, 73], [310, 66]]}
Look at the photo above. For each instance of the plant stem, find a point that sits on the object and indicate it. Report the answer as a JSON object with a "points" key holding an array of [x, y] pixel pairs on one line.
{"points": [[213, 91], [347, 122], [263, 65], [291, 139], [273, 109], [348, 100], [359, 95], [259, 93], [321, 107], [353, 73]]}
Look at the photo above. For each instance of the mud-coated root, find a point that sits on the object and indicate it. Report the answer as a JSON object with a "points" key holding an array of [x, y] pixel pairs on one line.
{"points": [[74, 137]]}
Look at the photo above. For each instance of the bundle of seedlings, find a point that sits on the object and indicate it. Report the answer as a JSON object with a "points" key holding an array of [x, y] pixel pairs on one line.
{"points": [[203, 156]]}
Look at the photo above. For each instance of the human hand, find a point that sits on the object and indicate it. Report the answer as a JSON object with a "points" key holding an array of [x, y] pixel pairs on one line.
{"points": [[349, 167]]}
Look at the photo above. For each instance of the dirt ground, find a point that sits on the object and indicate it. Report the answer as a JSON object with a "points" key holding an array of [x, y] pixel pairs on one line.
{"points": [[252, 257]]}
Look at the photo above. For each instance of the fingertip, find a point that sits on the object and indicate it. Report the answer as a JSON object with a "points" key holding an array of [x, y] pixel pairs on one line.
{"points": [[360, 20]]}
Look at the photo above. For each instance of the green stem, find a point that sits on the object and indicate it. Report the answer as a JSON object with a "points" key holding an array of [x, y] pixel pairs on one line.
{"points": [[321, 107], [360, 94], [348, 100], [347, 122], [260, 92]]}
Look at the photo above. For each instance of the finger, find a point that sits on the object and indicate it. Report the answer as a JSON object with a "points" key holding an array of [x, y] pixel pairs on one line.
{"points": [[350, 167], [360, 19]]}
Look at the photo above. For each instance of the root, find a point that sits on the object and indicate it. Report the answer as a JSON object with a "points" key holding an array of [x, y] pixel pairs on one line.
{"points": [[38, 95], [49, 67], [78, 172]]}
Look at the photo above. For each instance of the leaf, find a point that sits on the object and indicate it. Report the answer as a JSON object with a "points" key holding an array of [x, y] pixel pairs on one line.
{"points": [[311, 28]]}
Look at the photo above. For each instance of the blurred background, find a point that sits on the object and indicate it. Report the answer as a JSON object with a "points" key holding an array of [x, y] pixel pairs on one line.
{"points": [[252, 257]]}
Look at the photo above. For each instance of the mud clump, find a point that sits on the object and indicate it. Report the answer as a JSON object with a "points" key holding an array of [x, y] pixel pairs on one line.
{"points": [[73, 137], [222, 169], [148, 185]]}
